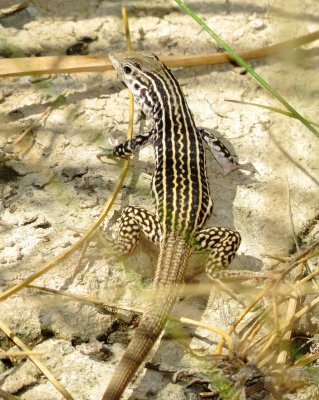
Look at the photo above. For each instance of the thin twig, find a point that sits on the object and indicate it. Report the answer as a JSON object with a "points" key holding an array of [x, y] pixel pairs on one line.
{"points": [[43, 116], [232, 327], [34, 359], [307, 359], [87, 299], [274, 109], [5, 354], [296, 163], [212, 328], [60, 257], [85, 245], [4, 12], [93, 300], [71, 64], [292, 303], [291, 219]]}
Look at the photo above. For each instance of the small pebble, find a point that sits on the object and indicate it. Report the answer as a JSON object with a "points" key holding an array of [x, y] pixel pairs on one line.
{"points": [[257, 24]]}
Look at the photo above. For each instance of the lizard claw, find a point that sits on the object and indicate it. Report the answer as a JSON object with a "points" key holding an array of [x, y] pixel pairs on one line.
{"points": [[227, 169]]}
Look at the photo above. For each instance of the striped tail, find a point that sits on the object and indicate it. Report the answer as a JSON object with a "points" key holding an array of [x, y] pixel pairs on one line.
{"points": [[169, 276]]}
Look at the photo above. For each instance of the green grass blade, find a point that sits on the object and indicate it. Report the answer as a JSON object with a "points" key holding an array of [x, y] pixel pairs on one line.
{"points": [[274, 109], [247, 67]]}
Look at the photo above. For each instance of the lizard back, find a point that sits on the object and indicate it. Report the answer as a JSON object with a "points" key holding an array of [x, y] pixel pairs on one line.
{"points": [[180, 185], [181, 190]]}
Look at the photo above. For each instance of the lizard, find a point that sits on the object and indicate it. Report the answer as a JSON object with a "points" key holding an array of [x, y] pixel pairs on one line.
{"points": [[182, 200]]}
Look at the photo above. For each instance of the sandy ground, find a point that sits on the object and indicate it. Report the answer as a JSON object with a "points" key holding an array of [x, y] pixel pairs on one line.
{"points": [[54, 184]]}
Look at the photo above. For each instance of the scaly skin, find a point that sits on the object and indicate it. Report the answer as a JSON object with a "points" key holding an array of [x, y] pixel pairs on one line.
{"points": [[182, 197]]}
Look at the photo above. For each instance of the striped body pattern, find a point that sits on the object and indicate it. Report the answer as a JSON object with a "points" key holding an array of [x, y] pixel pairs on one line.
{"points": [[182, 197], [180, 185]]}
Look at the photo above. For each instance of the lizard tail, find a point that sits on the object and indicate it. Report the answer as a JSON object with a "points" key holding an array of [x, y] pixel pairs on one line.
{"points": [[169, 276]]}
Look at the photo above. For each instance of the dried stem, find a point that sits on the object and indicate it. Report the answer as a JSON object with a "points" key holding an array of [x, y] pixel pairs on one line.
{"points": [[37, 362], [70, 64]]}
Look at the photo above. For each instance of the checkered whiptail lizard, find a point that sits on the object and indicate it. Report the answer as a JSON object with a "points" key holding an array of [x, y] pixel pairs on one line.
{"points": [[182, 197]]}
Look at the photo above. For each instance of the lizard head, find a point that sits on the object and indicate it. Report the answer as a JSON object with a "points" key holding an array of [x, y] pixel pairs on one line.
{"points": [[137, 71]]}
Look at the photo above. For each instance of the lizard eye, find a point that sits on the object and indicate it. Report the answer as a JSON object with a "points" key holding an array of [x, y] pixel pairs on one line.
{"points": [[136, 86], [127, 70]]}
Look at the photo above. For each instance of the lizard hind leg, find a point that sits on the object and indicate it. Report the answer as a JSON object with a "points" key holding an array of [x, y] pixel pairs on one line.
{"points": [[134, 221], [222, 244]]}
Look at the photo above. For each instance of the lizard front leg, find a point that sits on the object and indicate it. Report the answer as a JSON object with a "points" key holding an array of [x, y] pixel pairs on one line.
{"points": [[129, 147], [219, 151], [222, 154]]}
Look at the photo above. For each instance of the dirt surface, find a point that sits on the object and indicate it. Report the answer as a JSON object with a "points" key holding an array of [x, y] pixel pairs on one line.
{"points": [[54, 183]]}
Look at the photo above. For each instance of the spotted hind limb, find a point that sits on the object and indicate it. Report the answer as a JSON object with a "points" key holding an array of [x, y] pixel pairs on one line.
{"points": [[223, 244], [129, 147], [134, 221]]}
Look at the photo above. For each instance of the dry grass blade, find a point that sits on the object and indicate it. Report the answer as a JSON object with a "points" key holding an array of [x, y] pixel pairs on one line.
{"points": [[275, 312], [307, 278], [296, 163], [306, 265], [37, 362], [308, 252], [126, 27], [274, 109], [86, 299], [96, 302], [43, 116], [283, 329], [260, 357], [13, 354], [225, 335], [269, 338], [304, 310], [4, 12], [69, 64], [56, 260], [241, 316], [292, 303], [248, 337], [80, 259], [307, 359], [265, 360]]}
